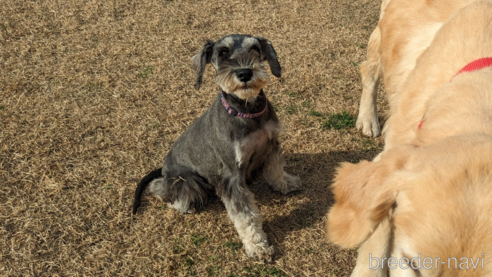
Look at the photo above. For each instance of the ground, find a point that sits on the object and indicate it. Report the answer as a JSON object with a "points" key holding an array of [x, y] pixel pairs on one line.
{"points": [[93, 94]]}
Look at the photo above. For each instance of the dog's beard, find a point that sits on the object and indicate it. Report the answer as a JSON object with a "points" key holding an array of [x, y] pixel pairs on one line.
{"points": [[229, 83]]}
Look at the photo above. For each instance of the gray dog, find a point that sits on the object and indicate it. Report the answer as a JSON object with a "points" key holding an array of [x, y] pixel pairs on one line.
{"points": [[234, 141]]}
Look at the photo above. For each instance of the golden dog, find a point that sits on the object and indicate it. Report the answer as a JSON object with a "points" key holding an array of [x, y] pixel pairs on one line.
{"points": [[423, 207]]}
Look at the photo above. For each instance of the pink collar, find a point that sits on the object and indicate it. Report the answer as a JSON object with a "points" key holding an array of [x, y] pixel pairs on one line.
{"points": [[474, 65], [233, 112]]}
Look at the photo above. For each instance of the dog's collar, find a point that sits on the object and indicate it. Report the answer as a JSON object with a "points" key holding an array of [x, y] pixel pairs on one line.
{"points": [[233, 112], [475, 65]]}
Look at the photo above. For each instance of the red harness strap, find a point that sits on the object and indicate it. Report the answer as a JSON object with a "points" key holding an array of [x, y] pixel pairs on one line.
{"points": [[475, 65]]}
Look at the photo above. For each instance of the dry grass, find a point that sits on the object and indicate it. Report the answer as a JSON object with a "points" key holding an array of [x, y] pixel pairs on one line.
{"points": [[92, 95]]}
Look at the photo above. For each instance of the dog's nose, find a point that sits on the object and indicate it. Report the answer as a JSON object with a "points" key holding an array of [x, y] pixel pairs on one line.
{"points": [[244, 74]]}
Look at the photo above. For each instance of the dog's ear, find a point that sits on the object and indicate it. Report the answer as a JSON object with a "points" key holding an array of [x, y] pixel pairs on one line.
{"points": [[200, 60], [364, 194], [269, 54]]}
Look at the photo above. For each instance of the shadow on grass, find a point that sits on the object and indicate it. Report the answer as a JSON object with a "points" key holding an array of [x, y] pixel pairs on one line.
{"points": [[316, 172]]}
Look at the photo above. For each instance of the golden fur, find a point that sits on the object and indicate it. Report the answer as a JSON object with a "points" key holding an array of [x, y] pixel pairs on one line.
{"points": [[429, 192]]}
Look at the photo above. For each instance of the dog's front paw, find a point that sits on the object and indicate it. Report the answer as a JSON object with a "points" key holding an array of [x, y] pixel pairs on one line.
{"points": [[290, 183], [369, 124], [262, 251]]}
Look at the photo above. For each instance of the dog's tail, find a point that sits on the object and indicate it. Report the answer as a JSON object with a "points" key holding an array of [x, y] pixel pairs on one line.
{"points": [[141, 186]]}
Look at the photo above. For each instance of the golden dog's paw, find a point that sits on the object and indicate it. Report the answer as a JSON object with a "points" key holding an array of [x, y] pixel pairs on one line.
{"points": [[369, 125]]}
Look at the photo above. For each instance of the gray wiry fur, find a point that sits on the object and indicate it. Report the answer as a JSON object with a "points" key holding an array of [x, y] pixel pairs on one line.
{"points": [[220, 153]]}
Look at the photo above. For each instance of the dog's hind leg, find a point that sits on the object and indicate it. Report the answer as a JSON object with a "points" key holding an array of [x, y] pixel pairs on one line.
{"points": [[368, 121], [160, 189], [244, 213], [181, 191], [275, 175]]}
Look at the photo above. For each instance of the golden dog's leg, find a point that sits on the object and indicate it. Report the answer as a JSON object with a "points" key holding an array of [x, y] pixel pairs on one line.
{"points": [[367, 120], [372, 260]]}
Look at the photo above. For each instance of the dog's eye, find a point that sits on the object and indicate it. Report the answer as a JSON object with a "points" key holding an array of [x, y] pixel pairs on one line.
{"points": [[223, 52]]}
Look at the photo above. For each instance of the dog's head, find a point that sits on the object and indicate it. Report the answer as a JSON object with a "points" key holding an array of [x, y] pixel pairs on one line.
{"points": [[436, 197], [238, 61]]}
